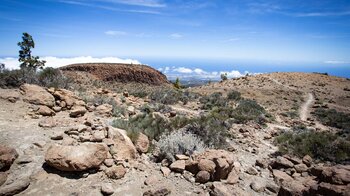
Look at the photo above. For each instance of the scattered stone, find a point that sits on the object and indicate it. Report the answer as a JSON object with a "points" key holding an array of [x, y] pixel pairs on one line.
{"points": [[206, 165], [252, 171], [77, 111], [258, 186], [181, 157], [202, 177], [7, 156], [281, 177], [273, 188], [307, 160], [40, 144], [57, 109], [37, 95], [262, 163], [232, 177], [142, 143], [47, 122], [222, 169], [104, 110], [98, 136], [282, 162], [172, 114], [15, 187], [45, 111], [166, 171], [191, 166], [107, 189], [153, 179], [157, 192], [178, 166], [57, 136], [300, 168], [109, 162], [220, 189], [24, 159], [131, 110], [292, 188], [188, 176], [115, 172], [76, 158]]}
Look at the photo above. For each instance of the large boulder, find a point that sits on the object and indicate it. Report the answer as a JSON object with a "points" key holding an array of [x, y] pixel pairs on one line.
{"points": [[122, 148], [37, 95], [7, 156], [45, 111], [76, 158], [77, 111]]}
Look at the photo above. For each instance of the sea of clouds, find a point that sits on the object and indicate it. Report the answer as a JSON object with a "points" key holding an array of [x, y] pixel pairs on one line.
{"points": [[171, 72]]}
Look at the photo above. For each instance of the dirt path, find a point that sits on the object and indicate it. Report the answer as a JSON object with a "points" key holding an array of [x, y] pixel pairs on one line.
{"points": [[305, 108]]}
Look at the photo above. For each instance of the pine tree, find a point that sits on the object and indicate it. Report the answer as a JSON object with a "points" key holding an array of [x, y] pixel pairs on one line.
{"points": [[25, 54], [177, 83]]}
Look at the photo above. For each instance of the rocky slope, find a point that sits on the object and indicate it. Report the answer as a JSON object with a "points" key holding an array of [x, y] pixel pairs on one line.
{"points": [[53, 142], [114, 72]]}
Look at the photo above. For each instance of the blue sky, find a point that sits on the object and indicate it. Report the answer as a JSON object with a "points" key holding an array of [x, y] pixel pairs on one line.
{"points": [[261, 30]]}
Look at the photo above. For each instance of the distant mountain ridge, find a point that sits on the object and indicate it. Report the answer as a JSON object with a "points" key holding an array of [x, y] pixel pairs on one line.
{"points": [[116, 72]]}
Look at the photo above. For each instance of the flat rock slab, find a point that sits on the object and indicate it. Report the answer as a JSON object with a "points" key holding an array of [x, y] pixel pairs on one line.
{"points": [[14, 188], [76, 158]]}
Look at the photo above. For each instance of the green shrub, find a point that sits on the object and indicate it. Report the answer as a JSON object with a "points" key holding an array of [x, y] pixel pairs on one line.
{"points": [[234, 95], [248, 110], [171, 96], [333, 118], [211, 130], [151, 124], [320, 145], [50, 77], [214, 100]]}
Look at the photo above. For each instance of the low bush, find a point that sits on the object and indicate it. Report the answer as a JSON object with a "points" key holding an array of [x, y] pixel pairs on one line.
{"points": [[179, 142], [50, 77], [211, 130], [172, 96], [319, 145], [248, 110], [331, 117], [214, 100], [234, 95]]}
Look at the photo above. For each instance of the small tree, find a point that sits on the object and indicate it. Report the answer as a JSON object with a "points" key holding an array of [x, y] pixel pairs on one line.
{"points": [[177, 83], [25, 54], [2, 67], [223, 76]]}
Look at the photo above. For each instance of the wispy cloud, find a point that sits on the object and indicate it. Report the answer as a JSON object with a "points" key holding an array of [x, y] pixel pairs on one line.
{"points": [[336, 62], [323, 14], [183, 70], [109, 7], [145, 3], [115, 33], [176, 36]]}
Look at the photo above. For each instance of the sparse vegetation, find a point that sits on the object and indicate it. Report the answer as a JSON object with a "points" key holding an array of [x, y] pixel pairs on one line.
{"points": [[171, 96], [320, 145], [179, 142], [213, 100], [234, 95], [333, 118], [177, 83], [248, 110], [223, 76]]}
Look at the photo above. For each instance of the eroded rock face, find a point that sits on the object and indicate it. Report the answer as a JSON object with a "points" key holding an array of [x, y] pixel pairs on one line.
{"points": [[7, 156], [76, 158], [37, 95]]}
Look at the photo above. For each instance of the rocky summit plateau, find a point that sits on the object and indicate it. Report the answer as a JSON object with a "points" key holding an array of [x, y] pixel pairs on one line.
{"points": [[117, 129]]}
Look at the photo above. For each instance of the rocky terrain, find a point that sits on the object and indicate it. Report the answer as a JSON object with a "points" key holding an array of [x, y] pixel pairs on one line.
{"points": [[61, 142]]}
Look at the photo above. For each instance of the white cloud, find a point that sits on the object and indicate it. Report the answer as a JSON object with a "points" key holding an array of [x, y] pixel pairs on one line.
{"points": [[115, 33], [176, 36], [336, 62], [183, 70], [199, 71], [12, 63]]}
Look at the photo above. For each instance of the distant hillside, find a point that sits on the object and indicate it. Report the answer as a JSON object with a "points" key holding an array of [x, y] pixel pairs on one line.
{"points": [[115, 72]]}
